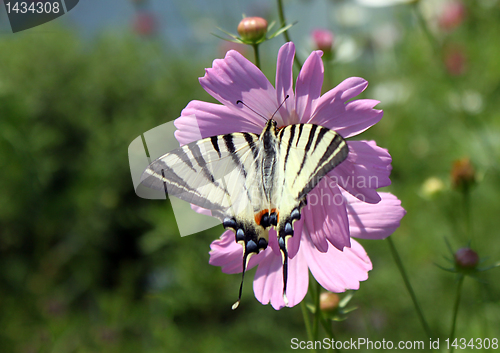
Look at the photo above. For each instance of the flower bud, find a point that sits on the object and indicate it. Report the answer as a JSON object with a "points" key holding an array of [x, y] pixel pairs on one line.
{"points": [[252, 29], [328, 301], [145, 23], [466, 258], [455, 61], [463, 174], [323, 40], [452, 16]]}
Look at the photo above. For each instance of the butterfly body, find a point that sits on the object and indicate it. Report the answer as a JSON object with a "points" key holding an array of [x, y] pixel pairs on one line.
{"points": [[251, 182]]}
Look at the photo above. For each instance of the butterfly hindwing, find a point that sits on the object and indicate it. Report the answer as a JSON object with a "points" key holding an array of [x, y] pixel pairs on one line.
{"points": [[307, 153]]}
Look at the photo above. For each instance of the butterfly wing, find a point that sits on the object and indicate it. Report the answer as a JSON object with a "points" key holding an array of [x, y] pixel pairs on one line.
{"points": [[307, 153], [208, 173], [223, 174]]}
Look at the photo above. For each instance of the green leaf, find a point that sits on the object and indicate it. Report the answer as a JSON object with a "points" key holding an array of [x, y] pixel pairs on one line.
{"points": [[281, 30]]}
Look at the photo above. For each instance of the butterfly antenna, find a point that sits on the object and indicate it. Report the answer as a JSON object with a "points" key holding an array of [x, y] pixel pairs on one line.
{"points": [[284, 100], [272, 116], [241, 102]]}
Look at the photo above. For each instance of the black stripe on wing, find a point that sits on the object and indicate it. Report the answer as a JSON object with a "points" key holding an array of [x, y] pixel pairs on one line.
{"points": [[289, 144], [176, 186], [308, 146], [195, 172], [335, 153], [313, 144], [229, 141]]}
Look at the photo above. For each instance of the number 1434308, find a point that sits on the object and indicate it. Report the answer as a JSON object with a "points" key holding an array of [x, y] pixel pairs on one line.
{"points": [[33, 7], [473, 343]]}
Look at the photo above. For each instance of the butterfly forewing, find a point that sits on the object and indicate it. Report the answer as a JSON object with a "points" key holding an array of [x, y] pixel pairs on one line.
{"points": [[210, 173]]}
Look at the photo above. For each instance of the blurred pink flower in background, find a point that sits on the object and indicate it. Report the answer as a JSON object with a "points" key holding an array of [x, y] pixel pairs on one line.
{"points": [[452, 15], [466, 258], [455, 60], [145, 23], [323, 39], [322, 238]]}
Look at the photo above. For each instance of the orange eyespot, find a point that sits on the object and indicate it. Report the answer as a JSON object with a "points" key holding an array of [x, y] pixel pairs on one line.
{"points": [[258, 216]]}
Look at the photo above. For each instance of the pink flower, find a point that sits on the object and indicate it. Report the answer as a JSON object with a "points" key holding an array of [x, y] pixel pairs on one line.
{"points": [[343, 204], [455, 60], [145, 23], [452, 15], [323, 39]]}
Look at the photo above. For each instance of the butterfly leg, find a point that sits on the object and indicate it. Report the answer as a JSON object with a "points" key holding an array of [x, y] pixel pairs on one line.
{"points": [[253, 241]]}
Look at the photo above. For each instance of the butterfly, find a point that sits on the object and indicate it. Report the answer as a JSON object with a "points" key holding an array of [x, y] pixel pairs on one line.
{"points": [[251, 182]]}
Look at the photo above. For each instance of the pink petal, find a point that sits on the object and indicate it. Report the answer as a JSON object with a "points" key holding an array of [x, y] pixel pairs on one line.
{"points": [[351, 118], [201, 210], [273, 241], [326, 216], [284, 82], [201, 119], [337, 270], [348, 119], [235, 78], [366, 169], [228, 254], [308, 87], [268, 282], [293, 244], [347, 89], [374, 221]]}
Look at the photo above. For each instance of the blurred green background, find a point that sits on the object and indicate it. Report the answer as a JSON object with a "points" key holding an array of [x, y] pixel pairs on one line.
{"points": [[87, 266]]}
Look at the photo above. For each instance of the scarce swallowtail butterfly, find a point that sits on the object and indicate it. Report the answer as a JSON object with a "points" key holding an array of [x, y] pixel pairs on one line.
{"points": [[251, 182]]}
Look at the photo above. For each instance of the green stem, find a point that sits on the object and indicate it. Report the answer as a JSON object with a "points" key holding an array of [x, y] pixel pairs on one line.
{"points": [[423, 24], [317, 311], [455, 310], [281, 14], [399, 263], [468, 225], [329, 72], [327, 325], [307, 324], [257, 56]]}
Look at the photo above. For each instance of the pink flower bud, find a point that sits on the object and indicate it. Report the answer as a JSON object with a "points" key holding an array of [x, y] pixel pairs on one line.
{"points": [[252, 29], [323, 39], [328, 301], [455, 61], [452, 16], [466, 258], [145, 24], [463, 174]]}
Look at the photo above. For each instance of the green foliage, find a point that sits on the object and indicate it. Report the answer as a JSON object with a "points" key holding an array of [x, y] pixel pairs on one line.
{"points": [[86, 265]]}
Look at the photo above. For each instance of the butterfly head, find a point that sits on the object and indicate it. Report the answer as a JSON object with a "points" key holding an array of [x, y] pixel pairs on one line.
{"points": [[271, 126]]}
